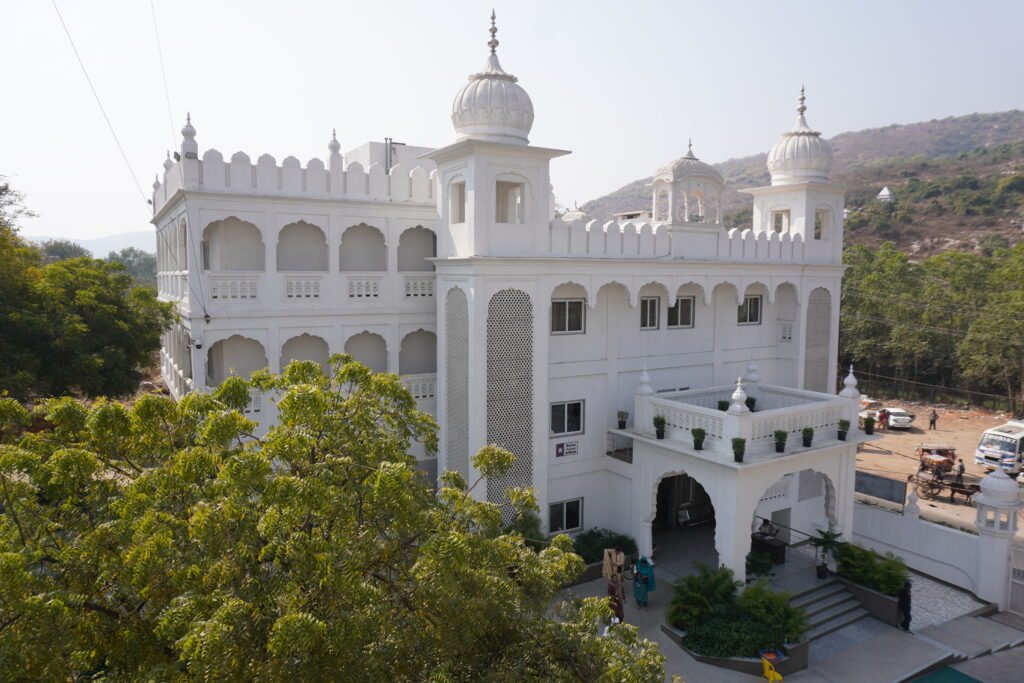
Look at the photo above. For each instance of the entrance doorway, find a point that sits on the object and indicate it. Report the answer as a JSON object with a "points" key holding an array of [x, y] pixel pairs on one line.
{"points": [[683, 526]]}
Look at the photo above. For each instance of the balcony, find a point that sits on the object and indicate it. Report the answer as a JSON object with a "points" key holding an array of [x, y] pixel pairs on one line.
{"points": [[419, 286], [234, 287], [364, 286], [776, 408], [302, 287]]}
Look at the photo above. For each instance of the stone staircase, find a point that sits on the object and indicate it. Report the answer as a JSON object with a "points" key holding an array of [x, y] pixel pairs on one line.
{"points": [[969, 636], [829, 607]]}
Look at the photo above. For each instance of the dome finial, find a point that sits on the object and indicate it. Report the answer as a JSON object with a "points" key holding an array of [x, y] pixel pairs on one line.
{"points": [[802, 108], [493, 42], [334, 146]]}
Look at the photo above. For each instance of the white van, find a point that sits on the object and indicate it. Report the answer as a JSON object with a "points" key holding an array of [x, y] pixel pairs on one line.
{"points": [[1002, 446]]}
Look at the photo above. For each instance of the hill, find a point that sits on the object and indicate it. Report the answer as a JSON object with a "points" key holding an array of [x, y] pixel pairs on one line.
{"points": [[922, 163], [144, 240]]}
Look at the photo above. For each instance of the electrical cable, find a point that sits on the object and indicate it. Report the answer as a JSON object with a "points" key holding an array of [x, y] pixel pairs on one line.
{"points": [[103, 111]]}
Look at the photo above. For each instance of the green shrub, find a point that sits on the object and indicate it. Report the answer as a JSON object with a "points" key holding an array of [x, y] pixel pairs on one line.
{"points": [[781, 436], [590, 545], [769, 607], [867, 568], [759, 564], [527, 525], [731, 632], [694, 597]]}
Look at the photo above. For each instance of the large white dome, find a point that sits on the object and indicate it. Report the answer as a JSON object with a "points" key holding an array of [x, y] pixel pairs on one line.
{"points": [[492, 105], [802, 155]]}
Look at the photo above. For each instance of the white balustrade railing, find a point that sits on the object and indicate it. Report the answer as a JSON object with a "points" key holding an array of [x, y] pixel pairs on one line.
{"points": [[234, 288], [302, 287], [419, 286], [822, 417], [364, 286], [680, 417], [421, 386]]}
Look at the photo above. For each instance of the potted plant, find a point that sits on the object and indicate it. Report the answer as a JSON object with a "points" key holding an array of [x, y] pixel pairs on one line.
{"points": [[623, 415], [826, 544], [780, 440], [698, 438], [723, 406], [844, 427], [739, 447], [808, 434], [659, 426], [751, 402], [869, 425]]}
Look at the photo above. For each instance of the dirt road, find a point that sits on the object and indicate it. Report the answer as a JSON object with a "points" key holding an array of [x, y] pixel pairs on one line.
{"points": [[893, 455]]}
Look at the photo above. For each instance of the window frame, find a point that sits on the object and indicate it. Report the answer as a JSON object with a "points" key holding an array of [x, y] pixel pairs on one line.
{"points": [[561, 527], [745, 304], [786, 220], [583, 316], [644, 300], [457, 202], [678, 325], [565, 418], [504, 192]]}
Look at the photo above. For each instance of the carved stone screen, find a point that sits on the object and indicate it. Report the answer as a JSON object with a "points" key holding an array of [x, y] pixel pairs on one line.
{"points": [[819, 325], [510, 387], [456, 326]]}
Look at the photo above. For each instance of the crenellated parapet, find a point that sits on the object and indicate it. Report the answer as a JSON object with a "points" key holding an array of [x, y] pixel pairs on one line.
{"points": [[696, 241], [212, 173]]}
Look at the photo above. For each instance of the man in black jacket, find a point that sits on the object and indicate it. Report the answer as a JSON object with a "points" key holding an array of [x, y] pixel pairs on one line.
{"points": [[903, 601]]}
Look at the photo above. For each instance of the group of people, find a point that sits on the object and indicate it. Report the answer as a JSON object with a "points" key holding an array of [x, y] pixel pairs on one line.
{"points": [[641, 574], [883, 419]]}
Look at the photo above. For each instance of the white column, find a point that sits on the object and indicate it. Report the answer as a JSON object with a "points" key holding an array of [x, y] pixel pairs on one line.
{"points": [[997, 524]]}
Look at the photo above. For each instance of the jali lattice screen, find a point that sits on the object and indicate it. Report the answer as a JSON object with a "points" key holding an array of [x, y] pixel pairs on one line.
{"points": [[456, 360]]}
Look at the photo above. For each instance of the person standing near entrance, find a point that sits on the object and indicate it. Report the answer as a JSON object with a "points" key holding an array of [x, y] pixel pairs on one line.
{"points": [[933, 418], [643, 581], [617, 597], [903, 601]]}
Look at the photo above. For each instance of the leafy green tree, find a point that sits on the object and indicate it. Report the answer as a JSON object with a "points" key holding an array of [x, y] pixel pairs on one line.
{"points": [[141, 265], [164, 542], [62, 250]]}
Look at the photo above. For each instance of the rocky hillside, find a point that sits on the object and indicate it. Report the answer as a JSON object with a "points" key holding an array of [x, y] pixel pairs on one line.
{"points": [[953, 180]]}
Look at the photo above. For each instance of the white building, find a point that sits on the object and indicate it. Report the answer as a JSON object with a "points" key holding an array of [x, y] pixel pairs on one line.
{"points": [[447, 267]]}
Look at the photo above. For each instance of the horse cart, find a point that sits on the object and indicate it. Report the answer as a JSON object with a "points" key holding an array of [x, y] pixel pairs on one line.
{"points": [[932, 485]]}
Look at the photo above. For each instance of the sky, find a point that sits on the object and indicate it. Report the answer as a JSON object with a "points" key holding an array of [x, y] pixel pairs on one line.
{"points": [[621, 84]]}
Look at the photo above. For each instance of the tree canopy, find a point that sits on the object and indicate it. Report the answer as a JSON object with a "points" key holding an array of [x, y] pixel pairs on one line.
{"points": [[70, 324], [164, 542], [141, 265]]}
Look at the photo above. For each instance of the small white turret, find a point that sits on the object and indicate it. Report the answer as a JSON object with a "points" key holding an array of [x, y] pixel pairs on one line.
{"points": [[801, 155], [739, 399], [189, 146]]}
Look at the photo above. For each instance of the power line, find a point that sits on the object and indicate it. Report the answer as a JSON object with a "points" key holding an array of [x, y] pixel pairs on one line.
{"points": [[103, 111], [863, 373], [929, 328], [898, 300]]}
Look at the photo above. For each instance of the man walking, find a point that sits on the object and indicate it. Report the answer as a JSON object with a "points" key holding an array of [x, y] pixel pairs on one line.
{"points": [[933, 417], [960, 467], [903, 602]]}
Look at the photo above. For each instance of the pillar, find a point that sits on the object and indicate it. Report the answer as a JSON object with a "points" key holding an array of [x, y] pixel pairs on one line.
{"points": [[997, 524]]}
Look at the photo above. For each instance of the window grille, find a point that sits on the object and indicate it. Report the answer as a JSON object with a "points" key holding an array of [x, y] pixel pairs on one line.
{"points": [[816, 353], [457, 389]]}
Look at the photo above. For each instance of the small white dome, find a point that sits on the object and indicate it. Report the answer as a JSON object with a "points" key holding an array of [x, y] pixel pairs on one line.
{"points": [[802, 155], [688, 166], [999, 490], [492, 105]]}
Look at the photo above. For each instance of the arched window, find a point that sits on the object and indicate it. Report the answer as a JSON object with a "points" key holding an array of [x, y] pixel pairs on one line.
{"points": [[415, 247], [236, 355], [305, 347], [369, 349], [418, 355], [232, 244], [302, 246], [363, 249], [822, 223]]}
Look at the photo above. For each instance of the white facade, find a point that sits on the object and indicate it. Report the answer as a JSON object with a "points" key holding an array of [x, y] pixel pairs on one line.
{"points": [[517, 329]]}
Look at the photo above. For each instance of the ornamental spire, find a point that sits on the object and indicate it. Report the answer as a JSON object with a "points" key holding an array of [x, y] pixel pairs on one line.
{"points": [[802, 108], [493, 42]]}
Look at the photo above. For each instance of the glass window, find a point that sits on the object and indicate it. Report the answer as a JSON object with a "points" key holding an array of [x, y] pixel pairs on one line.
{"points": [[566, 515], [568, 316], [649, 313], [681, 314], [750, 310], [567, 418]]}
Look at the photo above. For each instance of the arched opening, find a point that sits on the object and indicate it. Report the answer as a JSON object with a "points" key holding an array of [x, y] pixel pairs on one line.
{"points": [[697, 207], [182, 246], [369, 349], [789, 514], [683, 524], [302, 246], [236, 355], [785, 311], [415, 247], [363, 249], [418, 355], [818, 340], [822, 223], [305, 347], [233, 244], [661, 205]]}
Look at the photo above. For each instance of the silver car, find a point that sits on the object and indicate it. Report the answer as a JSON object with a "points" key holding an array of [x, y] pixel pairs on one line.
{"points": [[899, 418]]}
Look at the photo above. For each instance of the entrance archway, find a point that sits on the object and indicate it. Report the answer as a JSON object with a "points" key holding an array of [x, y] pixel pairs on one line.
{"points": [[683, 525]]}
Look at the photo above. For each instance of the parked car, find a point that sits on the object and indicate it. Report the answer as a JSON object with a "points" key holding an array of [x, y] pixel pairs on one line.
{"points": [[899, 418]]}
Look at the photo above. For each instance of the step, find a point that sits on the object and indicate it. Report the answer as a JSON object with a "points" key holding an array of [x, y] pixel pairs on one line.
{"points": [[959, 636], [825, 604], [837, 610], [836, 623], [817, 593], [1010, 637]]}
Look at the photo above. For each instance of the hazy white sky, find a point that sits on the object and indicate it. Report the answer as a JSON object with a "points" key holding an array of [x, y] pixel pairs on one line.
{"points": [[622, 84]]}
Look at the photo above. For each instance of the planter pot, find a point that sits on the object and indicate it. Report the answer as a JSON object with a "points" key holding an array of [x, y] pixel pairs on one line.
{"points": [[822, 571], [698, 445], [622, 424], [869, 429], [737, 456], [807, 443], [660, 433], [842, 435], [780, 447], [723, 405]]}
